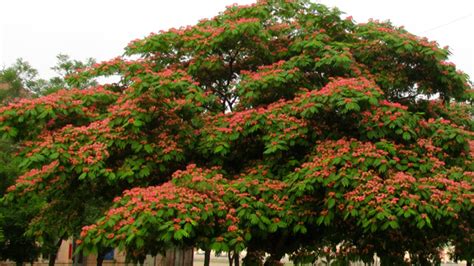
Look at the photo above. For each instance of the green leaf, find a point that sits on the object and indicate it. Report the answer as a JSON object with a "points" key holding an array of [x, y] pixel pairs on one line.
{"points": [[140, 242], [353, 106], [178, 235], [406, 136], [13, 132], [273, 227], [188, 227], [137, 123], [247, 236], [82, 176], [345, 182], [265, 220], [393, 224], [331, 203], [254, 219], [216, 246], [320, 220], [421, 224], [303, 229], [219, 149], [380, 216], [148, 148]]}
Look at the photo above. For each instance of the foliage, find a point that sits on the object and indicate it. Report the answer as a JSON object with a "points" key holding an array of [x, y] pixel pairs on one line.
{"points": [[17, 246], [21, 80], [20, 230], [14, 218], [12, 85], [64, 67], [278, 127]]}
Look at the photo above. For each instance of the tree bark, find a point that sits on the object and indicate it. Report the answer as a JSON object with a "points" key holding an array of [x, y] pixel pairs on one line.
{"points": [[207, 257], [170, 257], [273, 260], [177, 257], [230, 258], [189, 256], [253, 258], [52, 259], [100, 258], [159, 260], [276, 251], [53, 255], [236, 259]]}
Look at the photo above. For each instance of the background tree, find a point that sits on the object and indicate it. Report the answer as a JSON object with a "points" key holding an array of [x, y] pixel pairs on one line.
{"points": [[66, 66], [14, 218], [20, 79], [22, 231], [277, 127]]}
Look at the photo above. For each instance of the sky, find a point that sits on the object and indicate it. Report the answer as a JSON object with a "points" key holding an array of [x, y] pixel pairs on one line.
{"points": [[39, 30]]}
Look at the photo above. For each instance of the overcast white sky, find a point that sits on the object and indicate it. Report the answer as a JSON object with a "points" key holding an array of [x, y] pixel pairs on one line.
{"points": [[38, 30]]}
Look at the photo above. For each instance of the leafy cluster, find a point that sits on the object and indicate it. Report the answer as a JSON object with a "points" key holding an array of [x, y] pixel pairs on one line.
{"points": [[24, 234]]}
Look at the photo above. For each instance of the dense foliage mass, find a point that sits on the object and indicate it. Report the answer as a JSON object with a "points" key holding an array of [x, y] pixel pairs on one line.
{"points": [[21, 238], [277, 127]]}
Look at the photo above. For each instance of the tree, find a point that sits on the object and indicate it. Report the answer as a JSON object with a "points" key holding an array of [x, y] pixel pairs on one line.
{"points": [[14, 218], [21, 79], [23, 232], [278, 127], [66, 66]]}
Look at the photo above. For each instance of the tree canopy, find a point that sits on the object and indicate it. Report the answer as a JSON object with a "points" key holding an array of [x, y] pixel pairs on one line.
{"points": [[276, 127], [22, 235]]}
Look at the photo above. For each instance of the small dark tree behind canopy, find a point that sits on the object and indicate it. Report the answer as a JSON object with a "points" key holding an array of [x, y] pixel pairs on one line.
{"points": [[277, 127]]}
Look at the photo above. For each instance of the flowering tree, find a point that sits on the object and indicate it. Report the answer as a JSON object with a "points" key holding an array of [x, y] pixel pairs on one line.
{"points": [[278, 128], [22, 242]]}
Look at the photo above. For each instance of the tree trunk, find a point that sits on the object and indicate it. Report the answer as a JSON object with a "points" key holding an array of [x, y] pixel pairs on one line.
{"points": [[53, 255], [276, 253], [188, 256], [52, 259], [177, 257], [100, 258], [230, 258], [159, 260], [236, 259], [469, 263], [207, 257], [273, 260], [253, 258]]}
